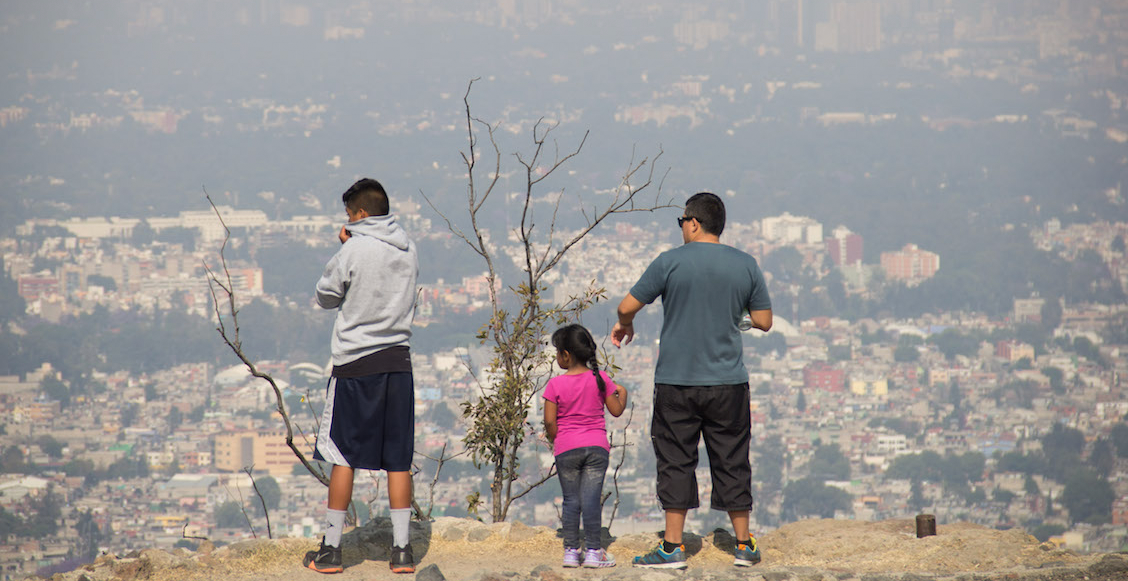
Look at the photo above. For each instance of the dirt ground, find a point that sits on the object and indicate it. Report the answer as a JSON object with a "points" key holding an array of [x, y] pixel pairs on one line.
{"points": [[464, 549], [883, 546]]}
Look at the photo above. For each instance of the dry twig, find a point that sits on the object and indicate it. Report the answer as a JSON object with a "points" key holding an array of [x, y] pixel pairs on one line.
{"points": [[231, 338], [265, 511]]}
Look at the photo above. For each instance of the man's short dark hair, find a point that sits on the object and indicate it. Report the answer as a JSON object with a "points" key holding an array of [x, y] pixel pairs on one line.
{"points": [[366, 194], [709, 211]]}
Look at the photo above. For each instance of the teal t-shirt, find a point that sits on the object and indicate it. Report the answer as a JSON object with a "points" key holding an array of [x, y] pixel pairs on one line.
{"points": [[705, 289]]}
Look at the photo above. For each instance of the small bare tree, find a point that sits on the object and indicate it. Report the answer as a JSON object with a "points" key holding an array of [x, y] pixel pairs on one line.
{"points": [[520, 320], [227, 319], [242, 507], [439, 462]]}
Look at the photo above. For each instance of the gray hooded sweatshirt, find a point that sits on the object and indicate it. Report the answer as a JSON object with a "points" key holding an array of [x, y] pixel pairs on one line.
{"points": [[371, 283]]}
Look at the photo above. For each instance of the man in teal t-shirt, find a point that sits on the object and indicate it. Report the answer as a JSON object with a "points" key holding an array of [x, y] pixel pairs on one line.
{"points": [[701, 384]]}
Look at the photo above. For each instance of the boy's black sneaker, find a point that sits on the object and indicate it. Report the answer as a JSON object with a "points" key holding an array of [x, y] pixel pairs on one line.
{"points": [[325, 559], [401, 560]]}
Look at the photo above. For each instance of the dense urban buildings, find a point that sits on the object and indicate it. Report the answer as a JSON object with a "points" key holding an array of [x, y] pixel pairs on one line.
{"points": [[854, 143]]}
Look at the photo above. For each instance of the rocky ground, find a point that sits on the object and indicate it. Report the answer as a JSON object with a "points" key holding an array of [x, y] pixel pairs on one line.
{"points": [[459, 549]]}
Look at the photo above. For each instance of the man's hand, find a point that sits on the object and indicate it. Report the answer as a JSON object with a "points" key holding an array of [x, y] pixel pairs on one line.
{"points": [[623, 331], [344, 234], [622, 334]]}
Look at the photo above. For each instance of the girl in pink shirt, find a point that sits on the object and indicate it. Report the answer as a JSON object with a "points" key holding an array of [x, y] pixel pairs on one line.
{"points": [[573, 422]]}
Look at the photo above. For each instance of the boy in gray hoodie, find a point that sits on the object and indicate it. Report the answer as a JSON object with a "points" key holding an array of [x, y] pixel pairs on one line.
{"points": [[369, 420]]}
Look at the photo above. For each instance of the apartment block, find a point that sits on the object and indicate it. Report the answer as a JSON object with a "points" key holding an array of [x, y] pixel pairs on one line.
{"points": [[265, 450], [910, 264]]}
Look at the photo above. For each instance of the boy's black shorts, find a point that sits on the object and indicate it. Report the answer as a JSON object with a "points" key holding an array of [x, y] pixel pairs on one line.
{"points": [[682, 415], [369, 422]]}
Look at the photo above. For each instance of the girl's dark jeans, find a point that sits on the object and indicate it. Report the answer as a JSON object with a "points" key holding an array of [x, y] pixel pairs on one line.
{"points": [[581, 472]]}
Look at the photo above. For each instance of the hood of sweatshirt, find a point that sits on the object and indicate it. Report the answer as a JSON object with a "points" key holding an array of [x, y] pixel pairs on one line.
{"points": [[383, 228], [371, 282]]}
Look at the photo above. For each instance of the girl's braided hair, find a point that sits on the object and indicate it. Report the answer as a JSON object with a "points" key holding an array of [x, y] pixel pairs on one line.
{"points": [[577, 340]]}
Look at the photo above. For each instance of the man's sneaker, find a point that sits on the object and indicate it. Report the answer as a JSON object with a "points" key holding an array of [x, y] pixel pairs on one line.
{"points": [[598, 558], [402, 561], [659, 559], [747, 554], [571, 557], [325, 559]]}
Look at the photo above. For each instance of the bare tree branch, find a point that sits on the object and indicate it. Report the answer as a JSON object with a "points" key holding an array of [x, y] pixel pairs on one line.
{"points": [[473, 374], [618, 466], [551, 472], [232, 340], [242, 508], [184, 533], [435, 480], [450, 226], [265, 510], [619, 205]]}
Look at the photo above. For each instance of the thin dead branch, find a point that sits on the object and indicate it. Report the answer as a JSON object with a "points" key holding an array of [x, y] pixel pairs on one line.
{"points": [[618, 466], [544, 478], [184, 533], [242, 508], [232, 339], [262, 501], [442, 459]]}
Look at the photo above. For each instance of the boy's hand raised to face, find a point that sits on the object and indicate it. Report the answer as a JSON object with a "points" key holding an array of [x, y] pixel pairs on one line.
{"points": [[344, 234]]}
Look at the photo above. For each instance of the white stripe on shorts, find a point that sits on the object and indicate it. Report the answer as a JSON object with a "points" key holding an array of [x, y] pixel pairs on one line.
{"points": [[325, 445]]}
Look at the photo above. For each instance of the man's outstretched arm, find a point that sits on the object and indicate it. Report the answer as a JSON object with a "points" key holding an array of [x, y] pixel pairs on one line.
{"points": [[623, 331]]}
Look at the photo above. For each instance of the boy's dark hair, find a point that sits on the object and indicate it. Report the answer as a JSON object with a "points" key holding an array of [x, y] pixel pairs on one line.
{"points": [[709, 211], [577, 340], [366, 194]]}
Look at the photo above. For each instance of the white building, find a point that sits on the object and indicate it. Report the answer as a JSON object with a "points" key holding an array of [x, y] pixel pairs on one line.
{"points": [[99, 227], [793, 229], [893, 444], [208, 225], [21, 487]]}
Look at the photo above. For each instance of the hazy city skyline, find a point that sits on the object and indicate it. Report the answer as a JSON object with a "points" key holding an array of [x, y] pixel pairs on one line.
{"points": [[934, 189]]}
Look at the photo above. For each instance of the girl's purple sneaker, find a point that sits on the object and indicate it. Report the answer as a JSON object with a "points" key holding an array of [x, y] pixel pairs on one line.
{"points": [[598, 558]]}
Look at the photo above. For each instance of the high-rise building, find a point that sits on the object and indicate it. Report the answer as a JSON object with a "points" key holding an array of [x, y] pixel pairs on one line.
{"points": [[787, 16], [854, 26], [811, 14], [844, 247], [910, 264]]}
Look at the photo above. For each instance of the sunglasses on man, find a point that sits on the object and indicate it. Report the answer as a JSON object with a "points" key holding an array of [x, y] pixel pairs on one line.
{"points": [[683, 219]]}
